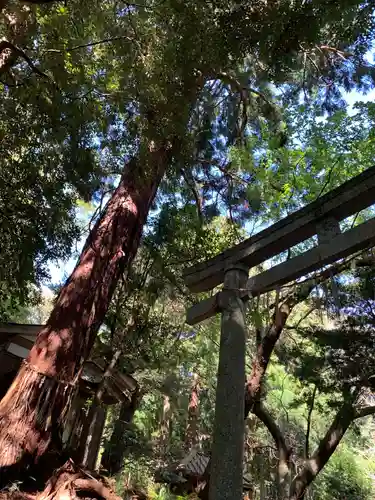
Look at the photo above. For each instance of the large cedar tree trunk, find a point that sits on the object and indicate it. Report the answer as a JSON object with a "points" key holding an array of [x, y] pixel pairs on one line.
{"points": [[33, 408]]}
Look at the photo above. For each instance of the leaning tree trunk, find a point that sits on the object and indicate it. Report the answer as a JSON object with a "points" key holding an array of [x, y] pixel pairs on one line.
{"points": [[34, 405], [323, 453]]}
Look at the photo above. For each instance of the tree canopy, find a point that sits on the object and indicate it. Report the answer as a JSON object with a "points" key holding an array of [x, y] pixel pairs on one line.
{"points": [[184, 127]]}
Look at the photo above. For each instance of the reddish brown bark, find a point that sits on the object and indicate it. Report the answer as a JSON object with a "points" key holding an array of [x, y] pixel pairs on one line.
{"points": [[69, 480], [268, 342], [54, 362], [272, 335], [263, 355], [342, 421]]}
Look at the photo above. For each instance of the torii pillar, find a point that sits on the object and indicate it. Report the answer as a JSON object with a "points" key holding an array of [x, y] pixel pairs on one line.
{"points": [[321, 218], [226, 471]]}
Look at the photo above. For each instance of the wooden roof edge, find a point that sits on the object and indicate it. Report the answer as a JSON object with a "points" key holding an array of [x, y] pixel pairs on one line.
{"points": [[13, 330], [20, 328], [123, 381]]}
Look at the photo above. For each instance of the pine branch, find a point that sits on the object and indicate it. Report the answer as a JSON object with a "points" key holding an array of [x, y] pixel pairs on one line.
{"points": [[343, 55], [244, 98], [319, 278], [226, 78], [4, 44], [198, 199]]}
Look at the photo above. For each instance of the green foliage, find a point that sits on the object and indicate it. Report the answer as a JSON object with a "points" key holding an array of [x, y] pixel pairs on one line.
{"points": [[320, 155], [115, 79], [347, 476]]}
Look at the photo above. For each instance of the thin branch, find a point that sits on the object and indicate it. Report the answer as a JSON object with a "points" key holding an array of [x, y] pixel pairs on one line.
{"points": [[98, 397], [328, 180], [325, 449], [244, 97], [354, 220], [198, 199], [272, 335], [232, 175], [324, 275], [281, 402], [308, 429], [304, 77], [340, 53], [319, 73], [91, 44], [305, 316], [137, 38], [364, 412], [265, 349], [277, 308], [4, 44]]}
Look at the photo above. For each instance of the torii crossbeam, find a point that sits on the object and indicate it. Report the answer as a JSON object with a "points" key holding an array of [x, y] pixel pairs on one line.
{"points": [[231, 267]]}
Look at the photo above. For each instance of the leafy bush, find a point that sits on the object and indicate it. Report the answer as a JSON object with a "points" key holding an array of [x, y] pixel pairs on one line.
{"points": [[347, 476]]}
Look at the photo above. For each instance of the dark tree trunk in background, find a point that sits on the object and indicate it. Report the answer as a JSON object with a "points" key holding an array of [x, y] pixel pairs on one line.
{"points": [[93, 430], [270, 338], [35, 403], [115, 449]]}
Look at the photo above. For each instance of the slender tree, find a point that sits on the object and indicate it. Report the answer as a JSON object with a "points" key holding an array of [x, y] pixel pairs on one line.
{"points": [[191, 436]]}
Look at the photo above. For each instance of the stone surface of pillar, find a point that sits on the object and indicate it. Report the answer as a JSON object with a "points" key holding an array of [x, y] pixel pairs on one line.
{"points": [[226, 475]]}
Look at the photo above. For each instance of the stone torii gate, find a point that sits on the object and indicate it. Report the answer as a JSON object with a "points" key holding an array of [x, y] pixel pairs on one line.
{"points": [[231, 268]]}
